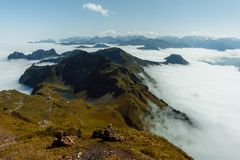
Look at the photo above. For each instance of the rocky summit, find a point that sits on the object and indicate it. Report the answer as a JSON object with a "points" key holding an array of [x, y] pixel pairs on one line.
{"points": [[175, 59]]}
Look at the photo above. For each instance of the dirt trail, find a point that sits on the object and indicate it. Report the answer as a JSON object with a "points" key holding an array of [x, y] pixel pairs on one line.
{"points": [[103, 151]]}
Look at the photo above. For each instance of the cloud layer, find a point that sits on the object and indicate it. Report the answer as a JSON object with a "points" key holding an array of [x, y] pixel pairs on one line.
{"points": [[11, 71], [207, 93], [96, 8]]}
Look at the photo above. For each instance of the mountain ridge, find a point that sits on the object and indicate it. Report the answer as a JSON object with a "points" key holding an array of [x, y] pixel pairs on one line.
{"points": [[92, 75], [35, 55]]}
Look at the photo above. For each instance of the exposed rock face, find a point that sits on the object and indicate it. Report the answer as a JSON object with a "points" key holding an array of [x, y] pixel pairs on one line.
{"points": [[175, 59], [17, 55], [36, 55], [93, 73], [35, 75]]}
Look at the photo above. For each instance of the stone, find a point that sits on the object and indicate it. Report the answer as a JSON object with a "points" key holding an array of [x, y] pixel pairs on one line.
{"points": [[107, 134], [62, 141]]}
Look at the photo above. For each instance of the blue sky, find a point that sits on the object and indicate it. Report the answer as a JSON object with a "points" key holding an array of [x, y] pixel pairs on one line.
{"points": [[26, 20]]}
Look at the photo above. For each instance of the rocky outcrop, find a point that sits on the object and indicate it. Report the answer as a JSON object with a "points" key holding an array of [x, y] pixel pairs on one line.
{"points": [[36, 55], [61, 140], [108, 134], [35, 75], [175, 59], [17, 55]]}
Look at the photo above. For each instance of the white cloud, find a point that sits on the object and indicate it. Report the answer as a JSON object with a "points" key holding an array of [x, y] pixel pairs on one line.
{"points": [[96, 8], [207, 93], [148, 34], [114, 33], [110, 32]]}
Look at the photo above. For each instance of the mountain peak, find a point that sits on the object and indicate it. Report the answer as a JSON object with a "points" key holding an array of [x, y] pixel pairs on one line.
{"points": [[175, 59]]}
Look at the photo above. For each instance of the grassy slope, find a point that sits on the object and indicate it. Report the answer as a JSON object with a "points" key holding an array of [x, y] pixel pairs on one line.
{"points": [[22, 140]]}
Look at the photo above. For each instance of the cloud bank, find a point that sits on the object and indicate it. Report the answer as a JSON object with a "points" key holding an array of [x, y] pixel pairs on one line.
{"points": [[11, 71], [96, 8], [207, 93]]}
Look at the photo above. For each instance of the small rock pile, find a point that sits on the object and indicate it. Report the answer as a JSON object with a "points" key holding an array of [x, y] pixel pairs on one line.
{"points": [[62, 141], [107, 134]]}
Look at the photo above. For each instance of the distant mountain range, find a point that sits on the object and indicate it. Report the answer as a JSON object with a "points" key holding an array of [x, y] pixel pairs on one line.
{"points": [[220, 44], [149, 43], [98, 45]]}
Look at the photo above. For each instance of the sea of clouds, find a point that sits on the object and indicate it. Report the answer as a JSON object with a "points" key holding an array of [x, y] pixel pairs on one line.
{"points": [[206, 92], [10, 71]]}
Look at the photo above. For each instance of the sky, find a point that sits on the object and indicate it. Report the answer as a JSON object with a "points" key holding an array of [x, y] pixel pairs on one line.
{"points": [[29, 20]]}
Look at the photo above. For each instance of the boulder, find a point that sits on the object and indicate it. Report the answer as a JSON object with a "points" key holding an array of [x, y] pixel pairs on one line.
{"points": [[107, 134], [61, 140]]}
